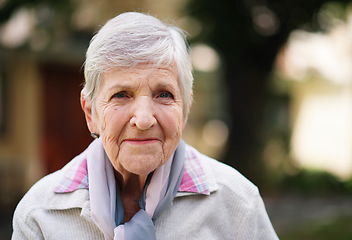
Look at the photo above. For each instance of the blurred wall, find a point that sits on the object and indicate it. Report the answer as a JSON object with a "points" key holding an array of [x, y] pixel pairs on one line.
{"points": [[19, 143]]}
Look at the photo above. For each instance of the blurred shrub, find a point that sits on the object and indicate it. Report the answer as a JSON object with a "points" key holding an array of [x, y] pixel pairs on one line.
{"points": [[315, 182], [337, 228]]}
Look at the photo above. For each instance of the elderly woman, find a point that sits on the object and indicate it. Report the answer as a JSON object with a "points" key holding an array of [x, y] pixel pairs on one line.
{"points": [[138, 179]]}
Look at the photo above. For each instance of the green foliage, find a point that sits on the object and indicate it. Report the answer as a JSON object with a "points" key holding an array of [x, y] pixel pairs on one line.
{"points": [[338, 228], [10, 6], [248, 35], [315, 182], [50, 22]]}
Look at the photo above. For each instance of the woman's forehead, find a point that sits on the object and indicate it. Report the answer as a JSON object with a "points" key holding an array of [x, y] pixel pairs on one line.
{"points": [[161, 75]]}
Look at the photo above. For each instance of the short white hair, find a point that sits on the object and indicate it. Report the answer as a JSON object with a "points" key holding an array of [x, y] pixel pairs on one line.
{"points": [[134, 38]]}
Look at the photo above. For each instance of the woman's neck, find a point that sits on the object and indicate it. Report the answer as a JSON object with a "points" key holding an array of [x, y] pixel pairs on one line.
{"points": [[131, 188], [130, 183]]}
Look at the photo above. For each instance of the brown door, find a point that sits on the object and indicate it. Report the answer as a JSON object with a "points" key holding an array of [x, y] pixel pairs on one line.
{"points": [[65, 133]]}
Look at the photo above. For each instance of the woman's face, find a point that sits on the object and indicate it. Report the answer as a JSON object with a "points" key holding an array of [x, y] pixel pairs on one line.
{"points": [[139, 116]]}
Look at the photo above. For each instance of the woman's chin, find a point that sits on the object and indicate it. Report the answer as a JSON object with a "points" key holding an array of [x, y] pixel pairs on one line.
{"points": [[142, 166]]}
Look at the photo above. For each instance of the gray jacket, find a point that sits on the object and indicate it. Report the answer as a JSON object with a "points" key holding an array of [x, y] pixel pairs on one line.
{"points": [[233, 210]]}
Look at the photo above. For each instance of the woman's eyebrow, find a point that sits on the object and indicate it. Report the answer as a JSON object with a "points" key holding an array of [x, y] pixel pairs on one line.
{"points": [[118, 85], [164, 85]]}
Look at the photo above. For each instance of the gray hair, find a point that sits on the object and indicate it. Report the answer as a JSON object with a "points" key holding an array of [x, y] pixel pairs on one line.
{"points": [[135, 38]]}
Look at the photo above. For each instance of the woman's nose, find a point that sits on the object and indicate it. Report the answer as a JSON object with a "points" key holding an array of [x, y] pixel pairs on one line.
{"points": [[143, 113]]}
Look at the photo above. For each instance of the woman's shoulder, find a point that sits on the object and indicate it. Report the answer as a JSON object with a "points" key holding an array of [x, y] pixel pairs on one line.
{"points": [[44, 208], [38, 193], [42, 194]]}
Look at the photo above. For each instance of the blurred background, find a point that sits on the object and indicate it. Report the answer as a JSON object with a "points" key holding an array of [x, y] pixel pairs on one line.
{"points": [[273, 98]]}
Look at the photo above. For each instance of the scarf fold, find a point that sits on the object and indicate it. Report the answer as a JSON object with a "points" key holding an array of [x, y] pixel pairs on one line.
{"points": [[106, 206]]}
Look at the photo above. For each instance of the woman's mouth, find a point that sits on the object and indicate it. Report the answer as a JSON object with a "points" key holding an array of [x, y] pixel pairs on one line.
{"points": [[141, 141]]}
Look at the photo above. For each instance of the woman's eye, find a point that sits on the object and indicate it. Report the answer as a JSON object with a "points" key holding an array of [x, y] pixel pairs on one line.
{"points": [[120, 95], [165, 95]]}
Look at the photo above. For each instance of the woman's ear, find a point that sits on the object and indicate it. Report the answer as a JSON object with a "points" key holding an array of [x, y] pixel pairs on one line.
{"points": [[87, 109]]}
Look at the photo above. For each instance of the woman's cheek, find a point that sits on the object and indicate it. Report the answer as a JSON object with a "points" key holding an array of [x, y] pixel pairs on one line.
{"points": [[108, 133], [175, 117]]}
